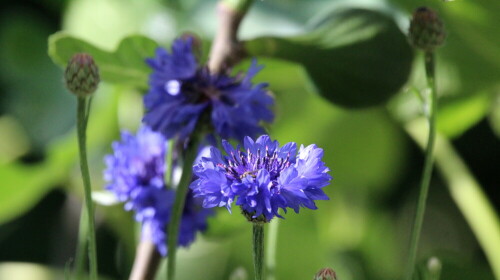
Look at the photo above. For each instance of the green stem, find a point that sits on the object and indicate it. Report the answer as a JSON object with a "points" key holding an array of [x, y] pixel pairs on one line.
{"points": [[427, 172], [180, 199], [168, 163], [478, 211], [67, 270], [82, 244], [258, 250], [82, 116], [272, 244]]}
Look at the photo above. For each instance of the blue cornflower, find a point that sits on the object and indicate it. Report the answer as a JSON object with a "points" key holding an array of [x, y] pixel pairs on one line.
{"points": [[135, 175], [263, 178], [182, 92]]}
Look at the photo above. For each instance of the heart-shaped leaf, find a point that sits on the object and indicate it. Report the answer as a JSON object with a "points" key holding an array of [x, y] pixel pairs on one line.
{"points": [[354, 57], [125, 65]]}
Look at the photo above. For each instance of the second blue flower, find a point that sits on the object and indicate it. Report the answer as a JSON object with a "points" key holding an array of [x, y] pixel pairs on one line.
{"points": [[182, 93]]}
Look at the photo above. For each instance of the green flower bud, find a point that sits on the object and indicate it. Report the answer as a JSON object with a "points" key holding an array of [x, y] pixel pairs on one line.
{"points": [[426, 29], [239, 274], [325, 274], [434, 266], [81, 75]]}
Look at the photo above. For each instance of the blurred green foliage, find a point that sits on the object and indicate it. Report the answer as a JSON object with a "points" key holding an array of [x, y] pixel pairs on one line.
{"points": [[123, 66], [362, 232], [342, 53]]}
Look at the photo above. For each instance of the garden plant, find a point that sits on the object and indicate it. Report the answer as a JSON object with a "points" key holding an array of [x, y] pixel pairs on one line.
{"points": [[172, 140]]}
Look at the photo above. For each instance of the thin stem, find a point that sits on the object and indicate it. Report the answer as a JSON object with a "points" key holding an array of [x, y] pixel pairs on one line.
{"points": [[146, 262], [417, 93], [82, 117], [226, 49], [67, 270], [427, 172], [258, 250], [177, 209], [82, 244], [87, 111], [147, 258], [272, 244], [169, 163], [467, 193]]}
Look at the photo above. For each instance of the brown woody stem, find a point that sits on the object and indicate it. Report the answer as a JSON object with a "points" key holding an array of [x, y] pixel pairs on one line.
{"points": [[146, 262], [226, 49]]}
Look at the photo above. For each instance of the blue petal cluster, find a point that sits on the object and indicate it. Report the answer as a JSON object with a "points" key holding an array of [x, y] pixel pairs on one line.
{"points": [[182, 93], [263, 178], [135, 174]]}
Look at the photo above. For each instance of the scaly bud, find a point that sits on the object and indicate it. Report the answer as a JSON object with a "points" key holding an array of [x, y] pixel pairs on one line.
{"points": [[325, 274], [426, 29], [81, 75], [434, 266]]}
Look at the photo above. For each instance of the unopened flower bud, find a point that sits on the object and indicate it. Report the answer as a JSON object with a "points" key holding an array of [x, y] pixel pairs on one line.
{"points": [[426, 29], [325, 274], [239, 274], [81, 75], [434, 266]]}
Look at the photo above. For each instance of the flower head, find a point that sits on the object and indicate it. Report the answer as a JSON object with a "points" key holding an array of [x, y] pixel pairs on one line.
{"points": [[263, 178], [426, 31], [182, 93], [135, 175], [325, 274], [81, 75]]}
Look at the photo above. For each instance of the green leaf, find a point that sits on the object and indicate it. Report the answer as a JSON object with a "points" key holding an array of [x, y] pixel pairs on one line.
{"points": [[31, 83], [354, 57], [125, 65], [458, 115], [21, 187]]}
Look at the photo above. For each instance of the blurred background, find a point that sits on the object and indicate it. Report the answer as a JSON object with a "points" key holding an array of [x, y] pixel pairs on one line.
{"points": [[362, 232]]}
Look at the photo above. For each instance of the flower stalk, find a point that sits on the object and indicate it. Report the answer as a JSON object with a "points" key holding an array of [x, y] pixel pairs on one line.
{"points": [[146, 262], [258, 249], [466, 192], [82, 118], [180, 198], [226, 49], [81, 248], [428, 165]]}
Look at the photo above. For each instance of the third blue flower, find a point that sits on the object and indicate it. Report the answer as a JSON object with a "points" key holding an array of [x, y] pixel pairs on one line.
{"points": [[135, 174], [262, 178]]}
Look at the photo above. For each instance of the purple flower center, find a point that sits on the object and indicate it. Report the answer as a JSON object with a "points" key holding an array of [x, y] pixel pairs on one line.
{"points": [[248, 164]]}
